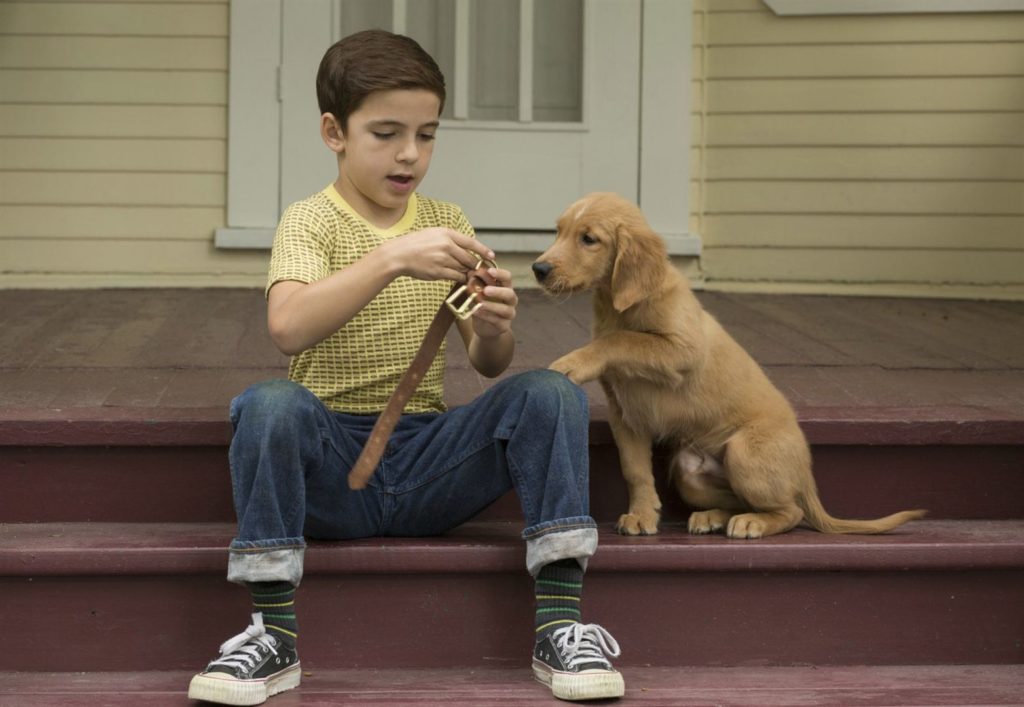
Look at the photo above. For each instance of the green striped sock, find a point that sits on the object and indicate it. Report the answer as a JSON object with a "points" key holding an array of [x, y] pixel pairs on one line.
{"points": [[276, 601], [558, 589]]}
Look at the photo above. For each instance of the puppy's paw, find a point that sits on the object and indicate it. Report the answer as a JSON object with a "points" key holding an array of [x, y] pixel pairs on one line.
{"points": [[579, 366], [746, 526], [704, 522], [638, 523]]}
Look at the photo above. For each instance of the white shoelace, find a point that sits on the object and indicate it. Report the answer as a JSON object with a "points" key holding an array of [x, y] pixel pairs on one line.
{"points": [[585, 643], [243, 651]]}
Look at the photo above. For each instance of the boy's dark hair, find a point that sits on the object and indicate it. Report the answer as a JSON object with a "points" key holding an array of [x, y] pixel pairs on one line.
{"points": [[370, 61]]}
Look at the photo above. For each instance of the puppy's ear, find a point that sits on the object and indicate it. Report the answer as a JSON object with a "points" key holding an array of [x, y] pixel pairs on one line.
{"points": [[640, 259]]}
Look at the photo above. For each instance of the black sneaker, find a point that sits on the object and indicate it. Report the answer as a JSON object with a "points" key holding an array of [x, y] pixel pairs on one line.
{"points": [[572, 661], [252, 666]]}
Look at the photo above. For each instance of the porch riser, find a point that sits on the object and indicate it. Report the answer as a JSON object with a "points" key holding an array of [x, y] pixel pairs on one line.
{"points": [[435, 621], [192, 484]]}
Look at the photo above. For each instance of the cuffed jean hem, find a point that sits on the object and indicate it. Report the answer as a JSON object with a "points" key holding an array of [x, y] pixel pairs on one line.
{"points": [[249, 562], [551, 541]]}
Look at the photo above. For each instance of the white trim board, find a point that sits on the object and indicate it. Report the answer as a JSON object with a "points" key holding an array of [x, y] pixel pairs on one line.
{"points": [[521, 242], [254, 113], [666, 70], [889, 7]]}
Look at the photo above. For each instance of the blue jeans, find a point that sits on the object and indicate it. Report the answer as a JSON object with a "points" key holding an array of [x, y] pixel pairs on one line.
{"points": [[290, 458]]}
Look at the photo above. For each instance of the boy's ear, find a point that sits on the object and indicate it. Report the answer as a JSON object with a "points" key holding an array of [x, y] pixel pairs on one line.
{"points": [[331, 132]]}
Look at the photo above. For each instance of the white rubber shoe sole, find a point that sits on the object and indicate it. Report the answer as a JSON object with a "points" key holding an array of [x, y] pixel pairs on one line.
{"points": [[584, 685], [223, 689]]}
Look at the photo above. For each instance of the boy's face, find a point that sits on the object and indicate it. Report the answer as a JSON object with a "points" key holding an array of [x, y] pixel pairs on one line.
{"points": [[385, 151]]}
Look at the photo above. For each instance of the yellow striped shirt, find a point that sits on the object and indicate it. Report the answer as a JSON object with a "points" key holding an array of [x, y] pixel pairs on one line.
{"points": [[356, 369]]}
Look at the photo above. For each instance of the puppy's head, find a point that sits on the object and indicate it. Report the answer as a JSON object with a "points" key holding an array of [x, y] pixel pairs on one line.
{"points": [[603, 243]]}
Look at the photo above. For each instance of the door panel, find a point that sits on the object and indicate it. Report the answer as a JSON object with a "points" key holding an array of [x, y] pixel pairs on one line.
{"points": [[542, 100]]}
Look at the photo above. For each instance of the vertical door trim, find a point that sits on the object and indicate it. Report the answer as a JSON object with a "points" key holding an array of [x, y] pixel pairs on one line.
{"points": [[254, 114], [525, 61], [399, 16], [460, 106], [666, 70]]}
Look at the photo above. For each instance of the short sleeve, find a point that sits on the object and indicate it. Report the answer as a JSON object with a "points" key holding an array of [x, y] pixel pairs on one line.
{"points": [[301, 249]]}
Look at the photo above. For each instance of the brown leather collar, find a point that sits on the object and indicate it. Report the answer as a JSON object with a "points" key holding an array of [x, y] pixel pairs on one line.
{"points": [[459, 303]]}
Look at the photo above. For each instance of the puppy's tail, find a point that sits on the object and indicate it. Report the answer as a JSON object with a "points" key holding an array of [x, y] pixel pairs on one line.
{"points": [[818, 518]]}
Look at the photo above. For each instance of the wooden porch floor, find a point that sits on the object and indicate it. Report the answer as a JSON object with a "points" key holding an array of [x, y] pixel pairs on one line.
{"points": [[947, 366]]}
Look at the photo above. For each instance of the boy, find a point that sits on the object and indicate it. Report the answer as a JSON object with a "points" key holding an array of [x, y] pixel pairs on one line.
{"points": [[356, 274]]}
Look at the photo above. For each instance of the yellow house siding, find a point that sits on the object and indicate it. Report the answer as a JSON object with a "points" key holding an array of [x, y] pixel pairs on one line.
{"points": [[879, 154], [113, 120]]}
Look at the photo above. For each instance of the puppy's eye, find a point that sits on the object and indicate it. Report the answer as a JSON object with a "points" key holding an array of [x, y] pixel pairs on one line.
{"points": [[588, 239]]}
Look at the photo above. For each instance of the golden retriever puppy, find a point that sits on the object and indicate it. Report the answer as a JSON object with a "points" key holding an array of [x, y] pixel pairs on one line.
{"points": [[673, 375]]}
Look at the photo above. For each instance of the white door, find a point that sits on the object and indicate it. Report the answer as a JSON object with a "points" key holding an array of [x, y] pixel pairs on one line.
{"points": [[543, 100]]}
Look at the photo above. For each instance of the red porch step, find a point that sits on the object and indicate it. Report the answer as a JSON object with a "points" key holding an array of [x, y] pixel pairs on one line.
{"points": [[936, 592], [907, 403], [837, 686], [168, 465]]}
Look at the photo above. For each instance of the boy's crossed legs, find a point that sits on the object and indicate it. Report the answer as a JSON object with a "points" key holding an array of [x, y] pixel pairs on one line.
{"points": [[289, 460]]}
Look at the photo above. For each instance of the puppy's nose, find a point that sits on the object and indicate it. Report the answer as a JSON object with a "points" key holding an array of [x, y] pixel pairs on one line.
{"points": [[541, 270]]}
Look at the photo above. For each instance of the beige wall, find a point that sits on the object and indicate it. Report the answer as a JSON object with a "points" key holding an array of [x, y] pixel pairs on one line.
{"points": [[880, 154], [112, 145]]}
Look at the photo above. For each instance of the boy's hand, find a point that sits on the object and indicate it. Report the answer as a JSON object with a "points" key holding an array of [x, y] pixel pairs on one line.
{"points": [[499, 300], [438, 254], [488, 333]]}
